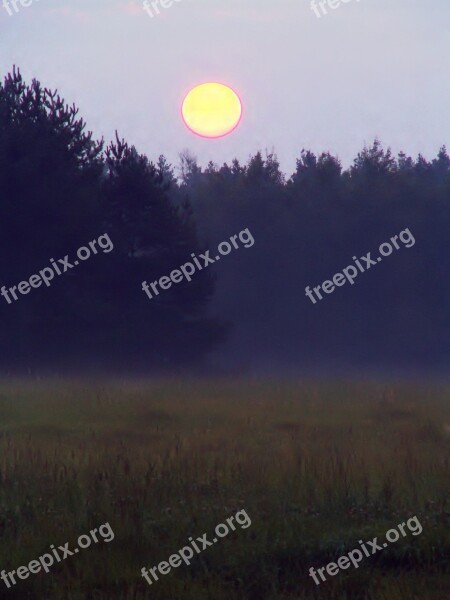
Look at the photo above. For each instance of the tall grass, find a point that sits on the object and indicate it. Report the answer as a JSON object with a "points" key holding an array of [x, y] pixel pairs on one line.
{"points": [[317, 466]]}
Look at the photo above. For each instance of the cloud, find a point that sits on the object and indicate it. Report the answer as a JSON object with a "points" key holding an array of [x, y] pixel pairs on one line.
{"points": [[131, 8], [74, 14]]}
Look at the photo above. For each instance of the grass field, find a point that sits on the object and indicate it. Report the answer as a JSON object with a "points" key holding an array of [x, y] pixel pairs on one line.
{"points": [[316, 466]]}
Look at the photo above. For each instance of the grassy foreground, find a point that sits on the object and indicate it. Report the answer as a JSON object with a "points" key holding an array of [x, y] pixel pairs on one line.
{"points": [[316, 466]]}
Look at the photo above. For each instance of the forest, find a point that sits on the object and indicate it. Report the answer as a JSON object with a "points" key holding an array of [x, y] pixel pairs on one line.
{"points": [[60, 187]]}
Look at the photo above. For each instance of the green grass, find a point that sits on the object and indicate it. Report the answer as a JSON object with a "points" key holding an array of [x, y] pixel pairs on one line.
{"points": [[316, 466]]}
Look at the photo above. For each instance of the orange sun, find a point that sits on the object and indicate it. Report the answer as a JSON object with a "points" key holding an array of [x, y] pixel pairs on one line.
{"points": [[212, 110]]}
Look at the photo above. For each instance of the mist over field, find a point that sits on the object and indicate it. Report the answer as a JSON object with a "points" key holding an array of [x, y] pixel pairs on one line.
{"points": [[315, 466]]}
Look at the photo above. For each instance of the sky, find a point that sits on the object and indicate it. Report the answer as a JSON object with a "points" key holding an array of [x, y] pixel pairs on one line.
{"points": [[369, 68]]}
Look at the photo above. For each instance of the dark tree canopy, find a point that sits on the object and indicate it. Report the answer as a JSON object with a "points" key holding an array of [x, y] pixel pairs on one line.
{"points": [[60, 189], [308, 228]]}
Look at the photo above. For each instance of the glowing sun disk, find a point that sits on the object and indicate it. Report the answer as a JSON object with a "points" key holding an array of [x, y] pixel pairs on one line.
{"points": [[212, 110]]}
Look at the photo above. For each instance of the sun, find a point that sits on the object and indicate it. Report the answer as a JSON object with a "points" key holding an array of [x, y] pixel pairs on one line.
{"points": [[212, 110]]}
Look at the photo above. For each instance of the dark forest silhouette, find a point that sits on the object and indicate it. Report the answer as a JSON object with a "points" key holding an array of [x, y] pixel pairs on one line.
{"points": [[59, 188]]}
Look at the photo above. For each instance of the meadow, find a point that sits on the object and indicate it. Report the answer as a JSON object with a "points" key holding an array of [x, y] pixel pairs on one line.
{"points": [[317, 466]]}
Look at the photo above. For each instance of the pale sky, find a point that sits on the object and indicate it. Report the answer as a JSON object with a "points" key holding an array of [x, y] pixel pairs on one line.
{"points": [[366, 69]]}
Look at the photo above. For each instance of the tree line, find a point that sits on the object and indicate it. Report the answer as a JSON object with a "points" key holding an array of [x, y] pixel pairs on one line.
{"points": [[59, 188]]}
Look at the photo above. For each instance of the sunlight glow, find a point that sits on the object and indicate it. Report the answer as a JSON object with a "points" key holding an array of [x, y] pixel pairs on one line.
{"points": [[212, 110]]}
